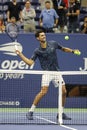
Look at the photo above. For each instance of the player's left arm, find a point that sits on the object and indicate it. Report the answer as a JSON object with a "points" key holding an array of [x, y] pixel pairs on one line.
{"points": [[74, 51], [65, 49]]}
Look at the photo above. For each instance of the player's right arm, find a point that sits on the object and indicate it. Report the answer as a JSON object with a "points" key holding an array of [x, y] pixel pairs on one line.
{"points": [[24, 58]]}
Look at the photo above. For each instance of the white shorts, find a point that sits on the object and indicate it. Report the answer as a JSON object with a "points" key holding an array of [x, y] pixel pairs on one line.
{"points": [[55, 79]]}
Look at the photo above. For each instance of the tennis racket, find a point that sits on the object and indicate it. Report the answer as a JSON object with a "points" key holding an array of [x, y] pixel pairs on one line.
{"points": [[12, 30]]}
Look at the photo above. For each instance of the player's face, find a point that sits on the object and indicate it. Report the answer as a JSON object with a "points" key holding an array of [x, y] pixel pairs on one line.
{"points": [[42, 37]]}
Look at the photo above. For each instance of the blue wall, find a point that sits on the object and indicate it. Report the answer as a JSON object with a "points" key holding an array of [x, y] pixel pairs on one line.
{"points": [[66, 61], [20, 90]]}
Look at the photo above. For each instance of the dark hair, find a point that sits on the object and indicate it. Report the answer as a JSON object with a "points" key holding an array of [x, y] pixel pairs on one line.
{"points": [[47, 1], [27, 1], [38, 32]]}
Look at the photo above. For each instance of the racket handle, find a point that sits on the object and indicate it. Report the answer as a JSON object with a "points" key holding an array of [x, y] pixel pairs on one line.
{"points": [[16, 48]]}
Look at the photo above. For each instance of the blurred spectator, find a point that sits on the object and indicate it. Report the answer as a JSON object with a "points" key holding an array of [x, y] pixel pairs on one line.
{"points": [[42, 2], [28, 15], [73, 17], [12, 20], [48, 18], [66, 3], [84, 26], [2, 26], [78, 3], [77, 91], [61, 8], [14, 10]]}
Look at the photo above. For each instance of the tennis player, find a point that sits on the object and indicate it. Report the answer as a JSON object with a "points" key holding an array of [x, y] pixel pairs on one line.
{"points": [[47, 56]]}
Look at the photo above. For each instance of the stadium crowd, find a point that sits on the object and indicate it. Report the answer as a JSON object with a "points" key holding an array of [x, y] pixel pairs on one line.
{"points": [[54, 16]]}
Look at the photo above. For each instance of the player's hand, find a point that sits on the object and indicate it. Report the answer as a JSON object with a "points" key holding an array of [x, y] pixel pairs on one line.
{"points": [[17, 52], [76, 52]]}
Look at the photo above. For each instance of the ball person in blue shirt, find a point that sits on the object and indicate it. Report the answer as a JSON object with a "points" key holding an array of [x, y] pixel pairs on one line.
{"points": [[46, 53]]}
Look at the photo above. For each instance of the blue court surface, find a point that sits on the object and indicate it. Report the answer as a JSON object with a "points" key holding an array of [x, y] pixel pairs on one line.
{"points": [[18, 121], [14, 116], [43, 127]]}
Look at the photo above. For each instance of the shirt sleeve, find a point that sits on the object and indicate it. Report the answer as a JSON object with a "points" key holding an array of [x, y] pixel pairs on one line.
{"points": [[57, 45], [34, 56], [55, 15]]}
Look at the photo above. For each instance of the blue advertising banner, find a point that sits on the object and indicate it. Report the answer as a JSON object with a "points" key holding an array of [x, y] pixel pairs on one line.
{"points": [[67, 61], [27, 42]]}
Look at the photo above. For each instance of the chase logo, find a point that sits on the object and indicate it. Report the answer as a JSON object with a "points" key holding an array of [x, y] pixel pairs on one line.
{"points": [[9, 48]]}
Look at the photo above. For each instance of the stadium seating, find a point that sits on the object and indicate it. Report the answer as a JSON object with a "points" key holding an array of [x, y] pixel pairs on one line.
{"points": [[36, 5], [4, 7]]}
